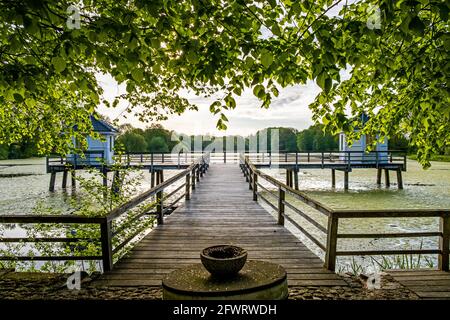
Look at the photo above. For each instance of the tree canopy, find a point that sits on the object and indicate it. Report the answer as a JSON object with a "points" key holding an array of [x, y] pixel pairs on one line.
{"points": [[398, 65], [315, 139]]}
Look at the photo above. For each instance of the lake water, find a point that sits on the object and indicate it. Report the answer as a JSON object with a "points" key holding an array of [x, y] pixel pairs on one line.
{"points": [[422, 189]]}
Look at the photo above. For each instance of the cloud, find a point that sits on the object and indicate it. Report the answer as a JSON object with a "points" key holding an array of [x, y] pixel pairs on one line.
{"points": [[289, 109]]}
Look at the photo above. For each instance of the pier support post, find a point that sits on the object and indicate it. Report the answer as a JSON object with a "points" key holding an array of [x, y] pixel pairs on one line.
{"points": [[295, 172], [333, 178], [289, 178], [161, 176], [51, 188], [152, 178], [399, 179], [346, 180], [379, 172], [64, 179], [444, 243], [288, 175], [386, 178]]}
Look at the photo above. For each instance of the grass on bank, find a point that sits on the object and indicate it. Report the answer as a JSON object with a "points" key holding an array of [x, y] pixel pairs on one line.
{"points": [[434, 157]]}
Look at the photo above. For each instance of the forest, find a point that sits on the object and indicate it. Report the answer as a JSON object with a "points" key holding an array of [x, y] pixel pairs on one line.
{"points": [[156, 138]]}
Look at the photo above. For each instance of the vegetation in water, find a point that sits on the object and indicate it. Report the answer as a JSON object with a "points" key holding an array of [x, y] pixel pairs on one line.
{"points": [[91, 200], [391, 262]]}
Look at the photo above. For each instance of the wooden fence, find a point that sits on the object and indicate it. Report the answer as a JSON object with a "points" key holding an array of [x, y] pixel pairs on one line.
{"points": [[280, 203], [189, 177]]}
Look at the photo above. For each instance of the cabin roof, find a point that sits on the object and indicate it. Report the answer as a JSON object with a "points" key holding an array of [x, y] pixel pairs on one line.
{"points": [[102, 126]]}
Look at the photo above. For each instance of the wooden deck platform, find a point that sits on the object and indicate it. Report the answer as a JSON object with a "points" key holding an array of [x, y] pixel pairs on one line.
{"points": [[427, 284], [220, 211]]}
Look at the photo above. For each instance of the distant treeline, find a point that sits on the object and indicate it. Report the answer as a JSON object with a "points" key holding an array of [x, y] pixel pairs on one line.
{"points": [[158, 139], [23, 150]]}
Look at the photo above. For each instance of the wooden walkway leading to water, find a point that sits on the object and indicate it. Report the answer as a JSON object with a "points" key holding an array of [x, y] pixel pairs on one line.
{"points": [[221, 210]]}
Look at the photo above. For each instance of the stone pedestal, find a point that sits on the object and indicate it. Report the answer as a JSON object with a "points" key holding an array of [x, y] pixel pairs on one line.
{"points": [[258, 280]]}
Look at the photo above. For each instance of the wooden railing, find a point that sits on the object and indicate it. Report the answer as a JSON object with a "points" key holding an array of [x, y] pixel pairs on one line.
{"points": [[324, 158], [107, 234], [279, 203]]}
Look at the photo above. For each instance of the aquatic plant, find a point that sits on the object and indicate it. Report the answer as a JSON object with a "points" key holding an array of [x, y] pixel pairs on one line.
{"points": [[92, 199]]}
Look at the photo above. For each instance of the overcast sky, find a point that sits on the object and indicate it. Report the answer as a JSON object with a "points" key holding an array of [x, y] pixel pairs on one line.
{"points": [[289, 109]]}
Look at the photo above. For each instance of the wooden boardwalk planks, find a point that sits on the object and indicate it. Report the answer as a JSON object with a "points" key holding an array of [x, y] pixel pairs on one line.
{"points": [[427, 284], [221, 210]]}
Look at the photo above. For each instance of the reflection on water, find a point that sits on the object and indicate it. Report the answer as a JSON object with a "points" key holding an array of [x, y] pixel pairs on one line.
{"points": [[422, 189]]}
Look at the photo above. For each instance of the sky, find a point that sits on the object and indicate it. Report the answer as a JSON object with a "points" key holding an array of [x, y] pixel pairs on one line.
{"points": [[289, 109]]}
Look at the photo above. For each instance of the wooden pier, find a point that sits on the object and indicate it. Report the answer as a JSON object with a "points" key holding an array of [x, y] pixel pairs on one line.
{"points": [[221, 211], [222, 206]]}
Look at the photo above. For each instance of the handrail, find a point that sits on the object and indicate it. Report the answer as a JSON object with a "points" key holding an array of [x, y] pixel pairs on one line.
{"points": [[252, 174], [192, 175]]}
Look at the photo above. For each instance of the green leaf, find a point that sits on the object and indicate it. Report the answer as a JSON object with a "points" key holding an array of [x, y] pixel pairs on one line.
{"points": [[259, 91], [417, 26], [266, 58], [59, 64], [276, 30], [18, 97], [137, 75], [30, 102]]}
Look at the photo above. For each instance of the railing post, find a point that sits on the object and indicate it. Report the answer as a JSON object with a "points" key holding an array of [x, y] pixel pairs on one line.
{"points": [[281, 197], [444, 243], [255, 187], [188, 187], [224, 157], [198, 172], [330, 253], [193, 178], [322, 159], [377, 158], [159, 207], [107, 256], [250, 178]]}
